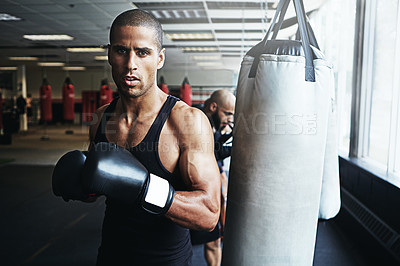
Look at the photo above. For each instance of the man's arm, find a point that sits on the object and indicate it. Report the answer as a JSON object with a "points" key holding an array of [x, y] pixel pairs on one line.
{"points": [[95, 124], [198, 208], [224, 196], [92, 134]]}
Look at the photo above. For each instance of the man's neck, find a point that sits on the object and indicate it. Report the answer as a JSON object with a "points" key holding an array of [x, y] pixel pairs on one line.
{"points": [[209, 116], [141, 107]]}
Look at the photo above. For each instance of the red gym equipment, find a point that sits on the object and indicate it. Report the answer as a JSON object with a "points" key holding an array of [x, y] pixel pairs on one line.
{"points": [[68, 98], [163, 86], [186, 92]]}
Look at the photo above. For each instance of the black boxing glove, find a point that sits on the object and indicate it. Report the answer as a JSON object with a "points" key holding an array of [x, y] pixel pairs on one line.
{"points": [[66, 179], [113, 171], [221, 147]]}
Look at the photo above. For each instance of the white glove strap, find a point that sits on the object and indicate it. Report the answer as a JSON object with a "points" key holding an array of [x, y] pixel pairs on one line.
{"points": [[157, 192]]}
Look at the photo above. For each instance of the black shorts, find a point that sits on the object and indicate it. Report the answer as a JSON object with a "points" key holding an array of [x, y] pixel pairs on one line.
{"points": [[202, 237], [29, 112]]}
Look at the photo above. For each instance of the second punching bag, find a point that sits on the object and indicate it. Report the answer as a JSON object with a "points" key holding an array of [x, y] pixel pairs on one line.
{"points": [[106, 93], [68, 94], [281, 120], [46, 113], [163, 86], [186, 92]]}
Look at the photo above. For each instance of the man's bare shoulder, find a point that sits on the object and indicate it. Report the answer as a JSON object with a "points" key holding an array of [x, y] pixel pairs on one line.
{"points": [[101, 109], [98, 114], [184, 115], [182, 108], [96, 120], [190, 122]]}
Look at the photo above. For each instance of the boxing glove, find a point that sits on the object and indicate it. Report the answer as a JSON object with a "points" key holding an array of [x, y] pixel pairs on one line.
{"points": [[113, 171], [222, 146], [66, 178]]}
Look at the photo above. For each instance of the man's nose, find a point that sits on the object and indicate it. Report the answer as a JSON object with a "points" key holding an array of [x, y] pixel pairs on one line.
{"points": [[231, 121], [132, 61]]}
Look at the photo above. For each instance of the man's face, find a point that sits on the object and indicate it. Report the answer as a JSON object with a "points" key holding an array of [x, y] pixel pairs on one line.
{"points": [[134, 58], [223, 115]]}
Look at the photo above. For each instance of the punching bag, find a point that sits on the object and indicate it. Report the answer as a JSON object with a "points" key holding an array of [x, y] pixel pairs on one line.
{"points": [[68, 98], [163, 86], [330, 192], [283, 106], [89, 106], [46, 114], [186, 92], [106, 93]]}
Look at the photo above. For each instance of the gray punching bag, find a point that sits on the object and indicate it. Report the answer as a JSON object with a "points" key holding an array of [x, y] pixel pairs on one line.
{"points": [[283, 106]]}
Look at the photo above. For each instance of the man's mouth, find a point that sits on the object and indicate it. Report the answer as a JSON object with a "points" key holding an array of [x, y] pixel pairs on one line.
{"points": [[131, 78], [131, 81]]}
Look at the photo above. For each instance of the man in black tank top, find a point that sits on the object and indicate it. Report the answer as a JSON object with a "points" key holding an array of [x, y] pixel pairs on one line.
{"points": [[171, 141]]}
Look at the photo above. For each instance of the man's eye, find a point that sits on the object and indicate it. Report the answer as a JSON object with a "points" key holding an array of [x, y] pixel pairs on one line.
{"points": [[142, 53], [121, 51]]}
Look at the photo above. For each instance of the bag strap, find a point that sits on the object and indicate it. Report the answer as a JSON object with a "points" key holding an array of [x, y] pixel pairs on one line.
{"points": [[253, 69], [301, 18], [304, 33], [281, 17], [281, 11], [313, 40]]}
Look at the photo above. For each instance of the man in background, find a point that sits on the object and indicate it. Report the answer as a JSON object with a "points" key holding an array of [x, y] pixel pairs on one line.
{"points": [[219, 109]]}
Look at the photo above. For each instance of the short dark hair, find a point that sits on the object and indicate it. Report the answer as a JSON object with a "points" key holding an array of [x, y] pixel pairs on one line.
{"points": [[138, 17]]}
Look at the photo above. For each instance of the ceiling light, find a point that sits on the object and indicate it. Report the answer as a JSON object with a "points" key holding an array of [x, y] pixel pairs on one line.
{"points": [[189, 36], [51, 64], [8, 17], [212, 67], [205, 57], [156, 14], [101, 57], [8, 68], [166, 14], [187, 14], [85, 49], [74, 68], [199, 49], [61, 37], [196, 13], [208, 64], [176, 13], [23, 58]]}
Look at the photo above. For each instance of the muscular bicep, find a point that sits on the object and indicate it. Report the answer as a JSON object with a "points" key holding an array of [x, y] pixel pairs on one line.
{"points": [[198, 167], [197, 162], [199, 206]]}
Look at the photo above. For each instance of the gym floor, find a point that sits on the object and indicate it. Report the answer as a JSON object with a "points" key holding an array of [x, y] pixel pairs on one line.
{"points": [[41, 229]]}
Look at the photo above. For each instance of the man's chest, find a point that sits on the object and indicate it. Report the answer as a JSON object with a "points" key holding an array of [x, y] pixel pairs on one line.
{"points": [[160, 139]]}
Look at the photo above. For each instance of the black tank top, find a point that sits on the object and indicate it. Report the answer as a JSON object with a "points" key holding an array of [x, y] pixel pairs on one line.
{"points": [[130, 235]]}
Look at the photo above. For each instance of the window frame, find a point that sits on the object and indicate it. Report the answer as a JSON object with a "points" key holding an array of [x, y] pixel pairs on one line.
{"points": [[394, 137], [362, 96]]}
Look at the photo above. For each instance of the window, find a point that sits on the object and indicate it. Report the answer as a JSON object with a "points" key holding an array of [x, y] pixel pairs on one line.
{"points": [[380, 86], [384, 50], [377, 108]]}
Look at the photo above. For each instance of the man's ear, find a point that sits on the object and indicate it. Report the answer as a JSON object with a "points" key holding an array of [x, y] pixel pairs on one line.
{"points": [[213, 106], [161, 58]]}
